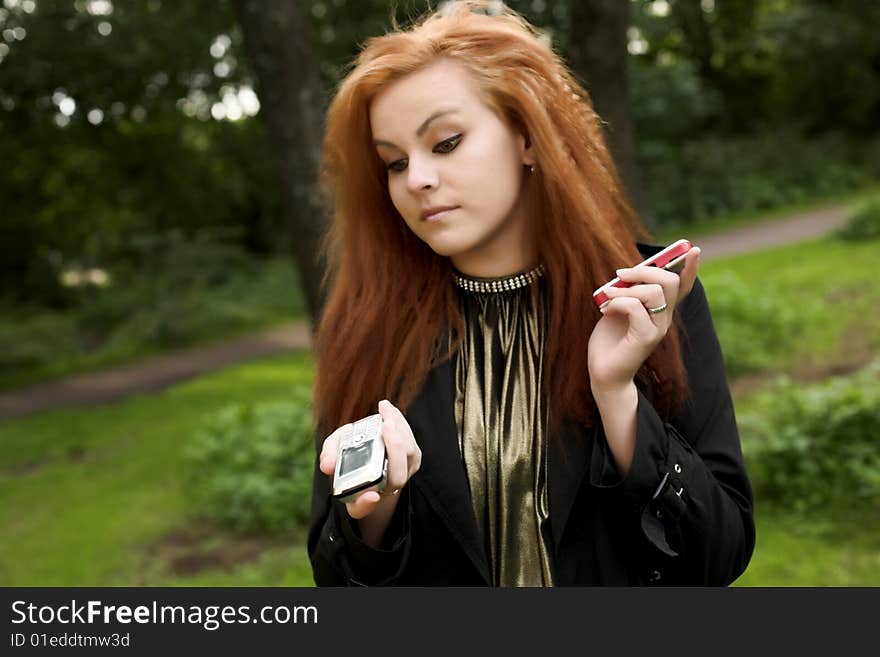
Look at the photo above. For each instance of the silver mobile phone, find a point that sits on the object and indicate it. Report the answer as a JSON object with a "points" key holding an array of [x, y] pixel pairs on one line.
{"points": [[361, 463]]}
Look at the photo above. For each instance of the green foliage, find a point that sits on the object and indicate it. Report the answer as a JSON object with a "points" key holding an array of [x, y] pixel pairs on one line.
{"points": [[863, 223], [731, 109], [730, 102], [138, 154], [818, 445], [34, 339], [703, 178], [174, 291], [816, 46], [767, 63], [163, 296], [251, 466], [669, 103], [753, 327]]}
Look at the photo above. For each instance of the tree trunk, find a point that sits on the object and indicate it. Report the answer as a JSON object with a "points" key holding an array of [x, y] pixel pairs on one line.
{"points": [[289, 87], [598, 54]]}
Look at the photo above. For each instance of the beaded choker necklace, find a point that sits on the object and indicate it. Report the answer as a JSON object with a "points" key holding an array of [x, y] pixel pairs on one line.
{"points": [[500, 284]]}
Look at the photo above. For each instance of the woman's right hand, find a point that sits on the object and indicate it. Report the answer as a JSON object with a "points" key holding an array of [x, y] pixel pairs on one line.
{"points": [[404, 460]]}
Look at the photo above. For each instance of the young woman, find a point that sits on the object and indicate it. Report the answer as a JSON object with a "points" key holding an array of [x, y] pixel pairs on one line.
{"points": [[532, 439]]}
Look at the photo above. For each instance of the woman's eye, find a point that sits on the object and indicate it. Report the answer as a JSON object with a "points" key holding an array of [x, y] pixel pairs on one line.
{"points": [[448, 145], [445, 146]]}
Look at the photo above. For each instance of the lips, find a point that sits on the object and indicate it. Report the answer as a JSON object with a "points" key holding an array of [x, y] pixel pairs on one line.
{"points": [[429, 213]]}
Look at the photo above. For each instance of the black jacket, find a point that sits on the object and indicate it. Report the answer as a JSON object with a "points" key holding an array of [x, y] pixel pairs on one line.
{"points": [[682, 516]]}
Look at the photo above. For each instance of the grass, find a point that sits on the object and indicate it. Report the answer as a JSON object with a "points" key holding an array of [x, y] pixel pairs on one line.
{"points": [[840, 548], [831, 284], [94, 496], [828, 288]]}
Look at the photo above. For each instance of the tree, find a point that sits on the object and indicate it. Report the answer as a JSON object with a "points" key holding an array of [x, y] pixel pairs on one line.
{"points": [[721, 40], [290, 89], [599, 54], [108, 135]]}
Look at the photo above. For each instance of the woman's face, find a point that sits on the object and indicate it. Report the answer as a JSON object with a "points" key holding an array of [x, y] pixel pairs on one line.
{"points": [[444, 148]]}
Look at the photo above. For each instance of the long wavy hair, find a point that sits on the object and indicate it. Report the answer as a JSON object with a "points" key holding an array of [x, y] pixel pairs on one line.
{"points": [[392, 306]]}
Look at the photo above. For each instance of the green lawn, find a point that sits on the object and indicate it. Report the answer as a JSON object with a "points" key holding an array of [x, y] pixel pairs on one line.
{"points": [[825, 289], [838, 548], [94, 496]]}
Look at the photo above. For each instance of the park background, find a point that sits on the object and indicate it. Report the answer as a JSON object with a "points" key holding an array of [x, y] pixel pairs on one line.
{"points": [[158, 214]]}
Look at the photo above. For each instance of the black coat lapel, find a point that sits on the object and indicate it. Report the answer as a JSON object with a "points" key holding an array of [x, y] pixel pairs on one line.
{"points": [[442, 477], [568, 458]]}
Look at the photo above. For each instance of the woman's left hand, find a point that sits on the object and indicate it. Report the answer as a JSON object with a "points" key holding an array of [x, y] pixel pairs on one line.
{"points": [[627, 333]]}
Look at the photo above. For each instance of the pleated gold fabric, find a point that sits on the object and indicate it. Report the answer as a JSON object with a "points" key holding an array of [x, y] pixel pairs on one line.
{"points": [[502, 422]]}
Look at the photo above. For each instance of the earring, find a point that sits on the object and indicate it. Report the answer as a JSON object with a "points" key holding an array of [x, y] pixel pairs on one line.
{"points": [[532, 169]]}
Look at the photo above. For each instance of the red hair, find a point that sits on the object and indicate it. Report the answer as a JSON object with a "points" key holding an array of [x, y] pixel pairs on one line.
{"points": [[392, 300]]}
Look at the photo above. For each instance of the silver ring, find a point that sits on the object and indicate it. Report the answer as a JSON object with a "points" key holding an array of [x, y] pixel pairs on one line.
{"points": [[658, 309]]}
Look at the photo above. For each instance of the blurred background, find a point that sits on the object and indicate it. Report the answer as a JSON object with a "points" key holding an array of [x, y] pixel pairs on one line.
{"points": [[158, 225]]}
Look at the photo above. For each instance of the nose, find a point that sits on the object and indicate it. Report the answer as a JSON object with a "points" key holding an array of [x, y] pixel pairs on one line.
{"points": [[421, 174]]}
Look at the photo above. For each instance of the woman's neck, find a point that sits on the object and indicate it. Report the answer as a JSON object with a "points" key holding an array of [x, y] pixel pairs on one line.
{"points": [[496, 266]]}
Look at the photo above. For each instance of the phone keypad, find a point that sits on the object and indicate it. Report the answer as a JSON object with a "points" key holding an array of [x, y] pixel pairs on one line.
{"points": [[359, 431]]}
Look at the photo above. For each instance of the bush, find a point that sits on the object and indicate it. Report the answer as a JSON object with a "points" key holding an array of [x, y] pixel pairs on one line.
{"points": [[818, 445], [161, 283], [34, 339], [251, 466], [754, 329], [712, 176], [863, 223], [163, 292]]}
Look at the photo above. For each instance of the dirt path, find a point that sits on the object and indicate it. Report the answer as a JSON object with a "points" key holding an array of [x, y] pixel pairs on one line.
{"points": [[781, 231], [119, 383]]}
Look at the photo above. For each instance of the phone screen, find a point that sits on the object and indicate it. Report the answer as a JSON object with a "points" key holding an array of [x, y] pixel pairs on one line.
{"points": [[355, 457]]}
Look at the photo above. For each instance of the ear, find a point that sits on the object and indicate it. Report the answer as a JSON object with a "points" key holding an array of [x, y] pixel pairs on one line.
{"points": [[526, 152]]}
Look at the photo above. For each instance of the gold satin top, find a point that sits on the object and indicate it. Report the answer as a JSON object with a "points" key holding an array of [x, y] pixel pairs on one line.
{"points": [[501, 422]]}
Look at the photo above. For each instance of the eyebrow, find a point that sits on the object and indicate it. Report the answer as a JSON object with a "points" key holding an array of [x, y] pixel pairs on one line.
{"points": [[422, 128]]}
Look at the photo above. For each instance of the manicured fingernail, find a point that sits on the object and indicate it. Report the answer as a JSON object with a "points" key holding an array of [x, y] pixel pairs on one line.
{"points": [[620, 272]]}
